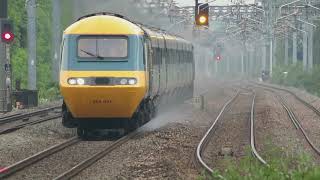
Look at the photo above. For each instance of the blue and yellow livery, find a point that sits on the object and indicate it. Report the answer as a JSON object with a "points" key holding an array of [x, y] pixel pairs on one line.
{"points": [[115, 73]]}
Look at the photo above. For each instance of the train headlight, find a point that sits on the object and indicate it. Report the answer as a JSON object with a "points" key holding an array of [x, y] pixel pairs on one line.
{"points": [[72, 81], [132, 81], [80, 81], [124, 81]]}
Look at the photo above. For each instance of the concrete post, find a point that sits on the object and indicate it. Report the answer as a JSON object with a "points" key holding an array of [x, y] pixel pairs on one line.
{"points": [[32, 51], [271, 56], [286, 50], [264, 57], [216, 67], [242, 63], [310, 48], [295, 47], [228, 64], [56, 38], [2, 78], [305, 48]]}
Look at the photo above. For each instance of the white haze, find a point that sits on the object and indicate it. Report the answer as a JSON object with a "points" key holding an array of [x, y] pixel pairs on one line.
{"points": [[204, 55]]}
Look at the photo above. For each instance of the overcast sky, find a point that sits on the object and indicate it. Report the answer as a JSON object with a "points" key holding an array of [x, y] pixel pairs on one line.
{"points": [[217, 2]]}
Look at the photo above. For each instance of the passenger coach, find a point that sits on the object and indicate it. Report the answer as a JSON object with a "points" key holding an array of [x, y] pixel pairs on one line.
{"points": [[115, 73]]}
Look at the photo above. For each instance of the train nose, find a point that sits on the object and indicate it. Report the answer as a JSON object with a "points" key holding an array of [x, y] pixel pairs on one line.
{"points": [[102, 102], [102, 94]]}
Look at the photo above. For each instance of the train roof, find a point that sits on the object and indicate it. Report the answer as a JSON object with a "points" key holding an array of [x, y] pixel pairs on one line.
{"points": [[119, 25], [97, 25]]}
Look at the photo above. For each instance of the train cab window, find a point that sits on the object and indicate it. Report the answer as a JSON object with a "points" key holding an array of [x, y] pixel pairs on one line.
{"points": [[102, 47]]}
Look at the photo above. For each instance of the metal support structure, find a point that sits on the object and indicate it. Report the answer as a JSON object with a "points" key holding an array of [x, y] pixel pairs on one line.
{"points": [[228, 64], [310, 48], [294, 49], [275, 46], [305, 49], [5, 66], [271, 57], [286, 50], [242, 62], [56, 39], [32, 45], [3, 98], [264, 57], [216, 68]]}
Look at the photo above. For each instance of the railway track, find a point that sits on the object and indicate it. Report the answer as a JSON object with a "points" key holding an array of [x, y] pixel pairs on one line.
{"points": [[94, 158], [200, 162], [14, 168], [17, 121], [37, 158], [292, 115]]}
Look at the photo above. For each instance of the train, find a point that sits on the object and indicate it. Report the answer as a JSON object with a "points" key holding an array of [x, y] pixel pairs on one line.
{"points": [[115, 73]]}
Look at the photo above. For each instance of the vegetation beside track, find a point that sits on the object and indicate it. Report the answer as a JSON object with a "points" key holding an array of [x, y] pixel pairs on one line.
{"points": [[48, 89], [297, 77], [281, 167]]}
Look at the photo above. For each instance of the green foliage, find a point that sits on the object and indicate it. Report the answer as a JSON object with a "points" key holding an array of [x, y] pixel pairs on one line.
{"points": [[279, 168], [297, 77], [48, 90]]}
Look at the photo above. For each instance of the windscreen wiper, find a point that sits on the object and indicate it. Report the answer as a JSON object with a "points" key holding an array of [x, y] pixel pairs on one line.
{"points": [[91, 54]]}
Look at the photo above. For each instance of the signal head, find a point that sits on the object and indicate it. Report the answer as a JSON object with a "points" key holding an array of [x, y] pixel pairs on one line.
{"points": [[202, 14], [202, 19], [7, 37], [6, 31]]}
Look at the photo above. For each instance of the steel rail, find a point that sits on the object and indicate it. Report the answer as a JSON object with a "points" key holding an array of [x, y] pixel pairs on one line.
{"points": [[12, 169], [291, 114], [22, 125], [252, 132], [93, 159], [204, 140], [315, 110], [298, 124], [23, 116]]}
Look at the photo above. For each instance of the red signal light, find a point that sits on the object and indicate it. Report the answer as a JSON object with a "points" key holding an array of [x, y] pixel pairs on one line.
{"points": [[218, 58], [6, 30], [7, 37]]}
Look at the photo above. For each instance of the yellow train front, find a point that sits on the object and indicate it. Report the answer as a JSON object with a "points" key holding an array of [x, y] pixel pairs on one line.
{"points": [[115, 73]]}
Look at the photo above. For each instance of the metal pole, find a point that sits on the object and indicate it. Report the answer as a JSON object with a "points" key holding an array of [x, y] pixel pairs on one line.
{"points": [[3, 61], [228, 64], [274, 50], [2, 78], [242, 62], [56, 39], [310, 48], [305, 49], [216, 68], [271, 56], [4, 9], [264, 57], [248, 62], [286, 50], [8, 79], [195, 8], [294, 52], [32, 45]]}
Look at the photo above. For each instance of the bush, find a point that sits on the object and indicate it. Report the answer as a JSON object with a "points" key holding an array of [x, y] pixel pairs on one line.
{"points": [[297, 77], [280, 168]]}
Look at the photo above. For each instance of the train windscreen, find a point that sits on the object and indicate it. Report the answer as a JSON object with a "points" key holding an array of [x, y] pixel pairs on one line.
{"points": [[103, 47]]}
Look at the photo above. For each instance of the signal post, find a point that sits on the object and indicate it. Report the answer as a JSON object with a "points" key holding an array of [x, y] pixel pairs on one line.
{"points": [[7, 37]]}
